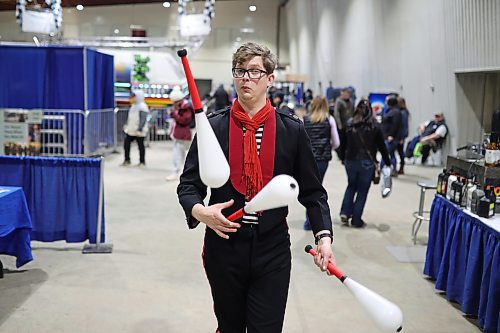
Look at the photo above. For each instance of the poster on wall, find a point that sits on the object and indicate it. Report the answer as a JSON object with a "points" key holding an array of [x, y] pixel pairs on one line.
{"points": [[20, 132]]}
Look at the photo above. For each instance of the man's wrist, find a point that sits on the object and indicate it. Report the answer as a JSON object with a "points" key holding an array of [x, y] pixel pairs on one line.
{"points": [[322, 237], [196, 210]]}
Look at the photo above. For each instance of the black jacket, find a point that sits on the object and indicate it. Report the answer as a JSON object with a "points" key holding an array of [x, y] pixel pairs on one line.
{"points": [[391, 123], [320, 134], [362, 138], [293, 156]]}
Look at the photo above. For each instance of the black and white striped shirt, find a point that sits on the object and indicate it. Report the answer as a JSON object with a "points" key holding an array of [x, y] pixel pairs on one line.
{"points": [[253, 218]]}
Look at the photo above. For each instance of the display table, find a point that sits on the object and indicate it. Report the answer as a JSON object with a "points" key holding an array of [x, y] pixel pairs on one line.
{"points": [[15, 225], [463, 256]]}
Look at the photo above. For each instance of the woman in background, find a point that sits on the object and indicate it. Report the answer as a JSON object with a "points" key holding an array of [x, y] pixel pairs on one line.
{"points": [[322, 131], [363, 137]]}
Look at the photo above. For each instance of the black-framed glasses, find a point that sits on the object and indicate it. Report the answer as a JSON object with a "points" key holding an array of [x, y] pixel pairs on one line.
{"points": [[253, 73]]}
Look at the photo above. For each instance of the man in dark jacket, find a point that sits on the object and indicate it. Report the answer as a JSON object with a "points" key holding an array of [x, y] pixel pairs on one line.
{"points": [[391, 124], [248, 262], [432, 135]]}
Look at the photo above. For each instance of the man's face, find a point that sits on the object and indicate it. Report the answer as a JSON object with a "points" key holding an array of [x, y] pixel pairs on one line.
{"points": [[253, 89], [345, 95], [438, 118]]}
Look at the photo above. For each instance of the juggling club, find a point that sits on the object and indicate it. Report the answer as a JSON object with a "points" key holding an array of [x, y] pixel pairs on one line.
{"points": [[386, 315], [214, 168]]}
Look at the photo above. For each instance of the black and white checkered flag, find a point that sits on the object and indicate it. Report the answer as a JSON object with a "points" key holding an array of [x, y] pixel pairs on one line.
{"points": [[209, 8]]}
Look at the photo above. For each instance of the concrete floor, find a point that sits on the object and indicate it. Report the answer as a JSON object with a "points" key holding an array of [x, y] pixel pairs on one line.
{"points": [[154, 280]]}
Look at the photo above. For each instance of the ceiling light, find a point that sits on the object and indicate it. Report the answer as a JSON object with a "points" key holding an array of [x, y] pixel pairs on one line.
{"points": [[116, 31], [252, 8], [79, 7], [247, 30], [166, 4]]}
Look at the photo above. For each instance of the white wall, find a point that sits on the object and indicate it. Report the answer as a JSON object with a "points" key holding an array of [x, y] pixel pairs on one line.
{"points": [[411, 47]]}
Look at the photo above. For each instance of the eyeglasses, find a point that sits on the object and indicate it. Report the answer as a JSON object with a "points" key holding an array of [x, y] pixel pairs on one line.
{"points": [[253, 73]]}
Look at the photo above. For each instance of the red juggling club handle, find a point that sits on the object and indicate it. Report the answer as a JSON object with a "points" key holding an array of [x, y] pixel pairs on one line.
{"points": [[332, 269], [193, 91], [236, 215]]}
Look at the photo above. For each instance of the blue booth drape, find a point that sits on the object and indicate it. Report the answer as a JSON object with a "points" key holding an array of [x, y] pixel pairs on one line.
{"points": [[62, 195], [463, 256], [53, 77]]}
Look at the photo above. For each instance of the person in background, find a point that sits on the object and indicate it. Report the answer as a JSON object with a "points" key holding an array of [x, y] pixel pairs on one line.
{"points": [[322, 131], [343, 111], [136, 128], [279, 102], [405, 115], [248, 261], [391, 126], [330, 93], [182, 114], [432, 135], [221, 98], [363, 137]]}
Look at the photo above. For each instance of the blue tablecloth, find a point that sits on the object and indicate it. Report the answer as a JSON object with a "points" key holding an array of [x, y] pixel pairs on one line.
{"points": [[62, 195], [463, 256], [15, 225]]}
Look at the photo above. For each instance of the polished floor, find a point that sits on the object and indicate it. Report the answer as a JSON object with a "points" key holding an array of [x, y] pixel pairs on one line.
{"points": [[154, 280]]}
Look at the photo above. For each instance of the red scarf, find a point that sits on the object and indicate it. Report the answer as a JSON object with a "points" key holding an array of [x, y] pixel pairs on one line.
{"points": [[251, 174]]}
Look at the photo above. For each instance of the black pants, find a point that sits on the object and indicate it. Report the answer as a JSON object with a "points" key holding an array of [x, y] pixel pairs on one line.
{"points": [[249, 275], [426, 150], [401, 153], [140, 143]]}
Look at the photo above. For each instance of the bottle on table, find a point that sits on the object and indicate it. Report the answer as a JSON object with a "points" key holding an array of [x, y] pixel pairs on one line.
{"points": [[471, 187], [456, 191], [477, 194], [441, 177], [449, 191]]}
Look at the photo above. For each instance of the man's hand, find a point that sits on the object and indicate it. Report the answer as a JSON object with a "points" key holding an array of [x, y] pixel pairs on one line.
{"points": [[324, 254], [212, 216]]}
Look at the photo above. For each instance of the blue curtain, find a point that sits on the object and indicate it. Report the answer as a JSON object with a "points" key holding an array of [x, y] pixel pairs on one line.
{"points": [[100, 78], [62, 195], [41, 77], [463, 256]]}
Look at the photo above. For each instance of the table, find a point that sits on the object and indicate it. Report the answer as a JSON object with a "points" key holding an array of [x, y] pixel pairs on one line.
{"points": [[463, 256], [15, 225]]}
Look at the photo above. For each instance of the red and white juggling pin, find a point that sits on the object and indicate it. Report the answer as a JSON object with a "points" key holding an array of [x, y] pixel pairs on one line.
{"points": [[279, 192], [386, 315], [214, 168]]}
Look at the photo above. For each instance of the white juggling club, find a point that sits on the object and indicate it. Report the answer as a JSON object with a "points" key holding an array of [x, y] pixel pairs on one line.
{"points": [[214, 169], [279, 192], [386, 315]]}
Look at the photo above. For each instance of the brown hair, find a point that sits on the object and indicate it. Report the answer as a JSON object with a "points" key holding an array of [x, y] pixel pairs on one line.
{"points": [[401, 103], [249, 50], [319, 109]]}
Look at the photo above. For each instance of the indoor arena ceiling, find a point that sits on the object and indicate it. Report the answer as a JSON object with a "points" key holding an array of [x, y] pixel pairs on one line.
{"points": [[11, 4]]}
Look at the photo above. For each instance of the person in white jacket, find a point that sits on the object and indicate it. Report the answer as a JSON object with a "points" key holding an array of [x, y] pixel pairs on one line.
{"points": [[136, 128]]}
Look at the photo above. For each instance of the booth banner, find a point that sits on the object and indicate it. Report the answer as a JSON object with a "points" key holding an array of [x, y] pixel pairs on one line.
{"points": [[20, 132]]}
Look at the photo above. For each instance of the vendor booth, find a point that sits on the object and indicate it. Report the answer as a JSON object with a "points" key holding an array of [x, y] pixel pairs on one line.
{"points": [[73, 82]]}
